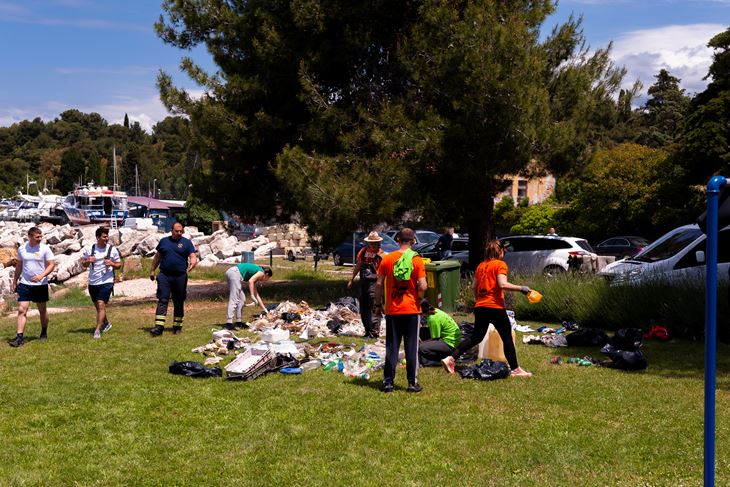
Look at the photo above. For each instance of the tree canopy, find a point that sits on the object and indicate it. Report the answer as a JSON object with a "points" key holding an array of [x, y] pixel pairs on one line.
{"points": [[705, 139], [78, 146], [352, 112]]}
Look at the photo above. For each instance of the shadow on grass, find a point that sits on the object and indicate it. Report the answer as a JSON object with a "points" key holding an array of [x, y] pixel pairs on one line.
{"points": [[87, 330], [372, 384]]}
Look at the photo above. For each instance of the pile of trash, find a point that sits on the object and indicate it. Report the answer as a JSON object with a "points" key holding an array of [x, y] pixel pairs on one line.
{"points": [[339, 318], [275, 352]]}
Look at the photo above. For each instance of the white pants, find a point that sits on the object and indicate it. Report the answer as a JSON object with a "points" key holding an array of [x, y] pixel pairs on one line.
{"points": [[236, 297]]}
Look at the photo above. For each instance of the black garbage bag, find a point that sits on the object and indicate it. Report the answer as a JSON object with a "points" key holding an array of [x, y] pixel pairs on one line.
{"points": [[628, 339], [194, 369], [624, 359], [587, 337], [350, 303], [284, 360], [334, 325], [486, 370], [289, 317]]}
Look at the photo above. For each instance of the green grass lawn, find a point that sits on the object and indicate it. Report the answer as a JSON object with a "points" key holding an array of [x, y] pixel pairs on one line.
{"points": [[77, 411]]}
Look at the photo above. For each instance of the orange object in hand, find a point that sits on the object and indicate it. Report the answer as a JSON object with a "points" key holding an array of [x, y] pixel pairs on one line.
{"points": [[534, 297]]}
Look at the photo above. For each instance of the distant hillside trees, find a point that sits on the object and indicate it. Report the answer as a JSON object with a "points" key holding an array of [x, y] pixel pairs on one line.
{"points": [[78, 147]]}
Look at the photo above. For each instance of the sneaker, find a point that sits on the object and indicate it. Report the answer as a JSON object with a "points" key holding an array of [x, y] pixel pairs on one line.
{"points": [[448, 364], [414, 388], [106, 327], [240, 325], [44, 335], [97, 334], [520, 372], [157, 330], [16, 342], [176, 329], [387, 388]]}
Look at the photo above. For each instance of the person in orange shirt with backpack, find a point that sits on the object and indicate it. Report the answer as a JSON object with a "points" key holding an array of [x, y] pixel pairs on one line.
{"points": [[401, 280], [490, 282]]}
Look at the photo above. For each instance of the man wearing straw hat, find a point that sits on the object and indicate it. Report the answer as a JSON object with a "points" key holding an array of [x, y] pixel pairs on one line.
{"points": [[366, 263]]}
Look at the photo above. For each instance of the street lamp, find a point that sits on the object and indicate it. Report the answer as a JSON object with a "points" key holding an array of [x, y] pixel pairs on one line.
{"points": [[154, 186]]}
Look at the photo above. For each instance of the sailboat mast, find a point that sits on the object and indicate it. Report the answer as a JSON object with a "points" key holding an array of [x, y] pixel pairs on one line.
{"points": [[114, 162]]}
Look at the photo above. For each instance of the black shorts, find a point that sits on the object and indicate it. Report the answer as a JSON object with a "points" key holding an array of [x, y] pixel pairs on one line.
{"points": [[35, 294], [101, 292]]}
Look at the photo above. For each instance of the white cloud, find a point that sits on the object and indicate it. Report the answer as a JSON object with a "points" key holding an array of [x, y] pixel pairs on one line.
{"points": [[680, 49]]}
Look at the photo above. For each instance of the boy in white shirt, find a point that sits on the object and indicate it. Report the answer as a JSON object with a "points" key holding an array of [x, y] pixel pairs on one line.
{"points": [[101, 259], [35, 263]]}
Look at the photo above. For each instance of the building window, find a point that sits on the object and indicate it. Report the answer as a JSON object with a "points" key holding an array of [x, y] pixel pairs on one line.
{"points": [[521, 189]]}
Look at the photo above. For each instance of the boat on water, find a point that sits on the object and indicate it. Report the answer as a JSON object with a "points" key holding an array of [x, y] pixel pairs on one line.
{"points": [[93, 204]]}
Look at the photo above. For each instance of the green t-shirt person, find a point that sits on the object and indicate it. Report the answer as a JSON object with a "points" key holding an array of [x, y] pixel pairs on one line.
{"points": [[443, 326], [248, 270]]}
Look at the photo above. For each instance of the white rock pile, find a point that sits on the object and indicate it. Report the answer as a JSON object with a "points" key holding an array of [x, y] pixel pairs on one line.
{"points": [[67, 244]]}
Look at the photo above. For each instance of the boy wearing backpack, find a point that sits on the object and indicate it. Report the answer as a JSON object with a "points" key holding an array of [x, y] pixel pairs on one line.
{"points": [[101, 259]]}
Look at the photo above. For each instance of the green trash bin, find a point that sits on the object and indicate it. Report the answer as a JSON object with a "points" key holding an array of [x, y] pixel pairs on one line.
{"points": [[443, 277]]}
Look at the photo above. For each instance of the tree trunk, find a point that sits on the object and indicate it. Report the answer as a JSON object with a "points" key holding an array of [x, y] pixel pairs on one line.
{"points": [[480, 224]]}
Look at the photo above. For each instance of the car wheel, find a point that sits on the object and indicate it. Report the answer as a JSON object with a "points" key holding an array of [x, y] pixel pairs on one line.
{"points": [[290, 256], [337, 259], [553, 270]]}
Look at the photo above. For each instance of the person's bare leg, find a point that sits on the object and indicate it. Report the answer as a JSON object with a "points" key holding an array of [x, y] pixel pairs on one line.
{"points": [[100, 314], [22, 316]]}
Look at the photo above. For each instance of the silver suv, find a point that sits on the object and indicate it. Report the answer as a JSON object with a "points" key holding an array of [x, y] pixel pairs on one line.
{"points": [[547, 254]]}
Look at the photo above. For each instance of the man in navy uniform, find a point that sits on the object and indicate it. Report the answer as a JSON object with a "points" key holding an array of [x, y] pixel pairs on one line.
{"points": [[176, 257]]}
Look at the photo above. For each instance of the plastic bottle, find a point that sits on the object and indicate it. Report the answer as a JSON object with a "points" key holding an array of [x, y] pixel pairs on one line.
{"points": [[312, 364]]}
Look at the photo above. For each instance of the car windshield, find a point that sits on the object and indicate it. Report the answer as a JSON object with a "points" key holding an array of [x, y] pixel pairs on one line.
{"points": [[427, 237], [641, 242], [663, 249]]}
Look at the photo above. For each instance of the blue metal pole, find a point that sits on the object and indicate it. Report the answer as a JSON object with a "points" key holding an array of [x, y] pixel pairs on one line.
{"points": [[713, 193]]}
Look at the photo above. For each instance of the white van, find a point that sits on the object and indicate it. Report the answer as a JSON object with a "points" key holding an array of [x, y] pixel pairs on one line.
{"points": [[677, 257]]}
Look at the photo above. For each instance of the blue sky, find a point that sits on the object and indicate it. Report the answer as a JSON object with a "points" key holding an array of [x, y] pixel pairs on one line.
{"points": [[103, 55]]}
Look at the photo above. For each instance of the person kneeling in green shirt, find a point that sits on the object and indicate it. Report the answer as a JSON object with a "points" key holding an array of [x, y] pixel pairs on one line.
{"points": [[445, 336]]}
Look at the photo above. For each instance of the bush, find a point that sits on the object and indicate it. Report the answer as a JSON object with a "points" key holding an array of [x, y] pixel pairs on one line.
{"points": [[592, 302]]}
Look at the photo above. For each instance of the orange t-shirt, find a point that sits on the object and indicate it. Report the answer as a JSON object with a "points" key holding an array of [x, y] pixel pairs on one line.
{"points": [[489, 294], [401, 297]]}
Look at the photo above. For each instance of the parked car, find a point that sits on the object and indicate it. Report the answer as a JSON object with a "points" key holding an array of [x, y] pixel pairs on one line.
{"points": [[460, 251], [621, 247], [547, 254], [422, 236], [676, 257], [345, 253], [427, 250]]}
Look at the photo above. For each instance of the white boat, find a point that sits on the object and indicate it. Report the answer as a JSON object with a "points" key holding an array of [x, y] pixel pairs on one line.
{"points": [[34, 208], [93, 204]]}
